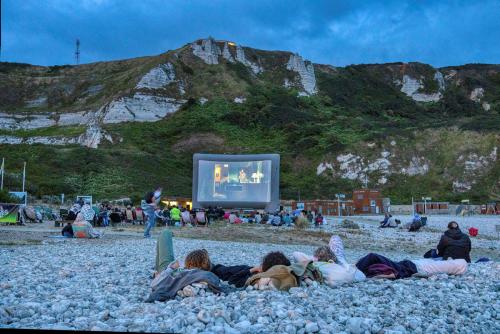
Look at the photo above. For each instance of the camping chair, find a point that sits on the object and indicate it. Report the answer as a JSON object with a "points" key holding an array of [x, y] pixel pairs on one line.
{"points": [[139, 216], [129, 216], [185, 217], [201, 218]]}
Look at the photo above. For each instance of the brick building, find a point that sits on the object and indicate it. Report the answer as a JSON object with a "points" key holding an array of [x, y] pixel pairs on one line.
{"points": [[367, 201]]}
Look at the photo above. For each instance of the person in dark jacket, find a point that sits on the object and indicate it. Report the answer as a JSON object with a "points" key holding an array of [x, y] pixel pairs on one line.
{"points": [[454, 244], [67, 230]]}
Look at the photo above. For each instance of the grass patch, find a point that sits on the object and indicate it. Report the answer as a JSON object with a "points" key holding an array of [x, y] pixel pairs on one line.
{"points": [[53, 131]]}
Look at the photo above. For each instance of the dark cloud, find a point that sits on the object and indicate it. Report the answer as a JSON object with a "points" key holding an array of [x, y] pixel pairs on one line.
{"points": [[335, 32]]}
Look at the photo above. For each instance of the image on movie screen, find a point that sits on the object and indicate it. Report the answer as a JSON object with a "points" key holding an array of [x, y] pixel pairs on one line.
{"points": [[235, 181]]}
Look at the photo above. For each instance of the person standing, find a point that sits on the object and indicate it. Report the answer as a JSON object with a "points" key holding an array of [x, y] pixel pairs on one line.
{"points": [[148, 205]]}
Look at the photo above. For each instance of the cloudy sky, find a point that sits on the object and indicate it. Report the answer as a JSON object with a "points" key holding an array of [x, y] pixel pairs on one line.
{"points": [[333, 32]]}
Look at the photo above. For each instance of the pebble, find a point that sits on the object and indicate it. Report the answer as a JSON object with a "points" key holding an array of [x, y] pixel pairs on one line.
{"points": [[89, 290], [312, 327]]}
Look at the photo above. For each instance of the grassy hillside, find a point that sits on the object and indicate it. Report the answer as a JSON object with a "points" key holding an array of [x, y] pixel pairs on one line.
{"points": [[358, 110]]}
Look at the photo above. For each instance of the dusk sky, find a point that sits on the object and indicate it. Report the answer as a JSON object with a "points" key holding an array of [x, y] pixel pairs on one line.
{"points": [[333, 32]]}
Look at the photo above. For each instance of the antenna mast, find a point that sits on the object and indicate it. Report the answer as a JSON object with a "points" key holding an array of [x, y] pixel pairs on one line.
{"points": [[77, 51]]}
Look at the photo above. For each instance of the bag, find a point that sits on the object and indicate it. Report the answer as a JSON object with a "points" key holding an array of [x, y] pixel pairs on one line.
{"points": [[431, 254], [473, 231]]}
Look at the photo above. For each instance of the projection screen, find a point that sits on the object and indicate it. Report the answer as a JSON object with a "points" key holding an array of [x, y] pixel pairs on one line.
{"points": [[236, 181]]}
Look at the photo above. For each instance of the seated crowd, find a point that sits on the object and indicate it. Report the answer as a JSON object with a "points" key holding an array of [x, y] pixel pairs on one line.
{"points": [[327, 265], [278, 218]]}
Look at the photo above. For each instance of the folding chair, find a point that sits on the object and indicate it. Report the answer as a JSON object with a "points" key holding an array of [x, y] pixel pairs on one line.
{"points": [[201, 218], [139, 216]]}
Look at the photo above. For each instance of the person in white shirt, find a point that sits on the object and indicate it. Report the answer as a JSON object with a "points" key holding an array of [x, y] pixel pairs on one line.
{"points": [[334, 274], [331, 261]]}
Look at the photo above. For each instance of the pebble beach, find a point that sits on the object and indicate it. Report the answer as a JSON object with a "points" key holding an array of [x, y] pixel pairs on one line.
{"points": [[102, 285]]}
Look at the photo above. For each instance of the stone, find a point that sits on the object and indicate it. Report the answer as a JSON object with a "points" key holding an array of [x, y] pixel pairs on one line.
{"points": [[353, 325], [312, 327], [204, 316]]}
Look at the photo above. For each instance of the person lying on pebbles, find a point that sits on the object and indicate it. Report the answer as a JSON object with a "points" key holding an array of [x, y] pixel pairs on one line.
{"points": [[378, 266], [199, 259], [333, 273], [172, 276], [275, 271]]}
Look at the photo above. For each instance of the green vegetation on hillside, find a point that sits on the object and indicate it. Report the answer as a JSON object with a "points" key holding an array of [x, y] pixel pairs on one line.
{"points": [[355, 105]]}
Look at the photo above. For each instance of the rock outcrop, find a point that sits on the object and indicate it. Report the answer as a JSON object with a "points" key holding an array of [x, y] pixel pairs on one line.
{"points": [[411, 87], [208, 51], [305, 71], [25, 121], [140, 108], [158, 77], [227, 54], [240, 56]]}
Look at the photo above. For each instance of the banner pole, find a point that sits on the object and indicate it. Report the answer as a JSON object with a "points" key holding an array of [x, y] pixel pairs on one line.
{"points": [[3, 167], [24, 175]]}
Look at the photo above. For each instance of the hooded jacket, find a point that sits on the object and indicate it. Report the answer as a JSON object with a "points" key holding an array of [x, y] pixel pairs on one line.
{"points": [[168, 286], [454, 244]]}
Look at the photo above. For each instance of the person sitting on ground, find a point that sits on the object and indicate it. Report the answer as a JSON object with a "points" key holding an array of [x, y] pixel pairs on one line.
{"points": [[333, 273], [454, 244], [309, 216], [175, 215], [83, 229], [386, 219], [67, 230], [318, 220], [115, 216], [378, 266], [73, 212], [390, 221], [415, 224], [287, 220], [274, 220], [258, 217]]}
